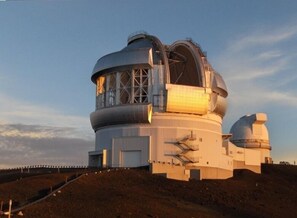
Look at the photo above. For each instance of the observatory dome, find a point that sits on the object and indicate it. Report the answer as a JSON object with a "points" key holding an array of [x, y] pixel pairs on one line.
{"points": [[159, 103], [147, 76], [250, 131]]}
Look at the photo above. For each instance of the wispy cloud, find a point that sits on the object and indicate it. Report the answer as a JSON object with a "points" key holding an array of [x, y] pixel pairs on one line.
{"points": [[264, 37], [259, 66], [33, 134], [15, 111], [247, 69], [268, 55], [35, 131], [260, 72], [23, 150]]}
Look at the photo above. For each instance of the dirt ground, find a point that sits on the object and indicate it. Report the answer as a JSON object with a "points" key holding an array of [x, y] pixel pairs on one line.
{"points": [[137, 193]]}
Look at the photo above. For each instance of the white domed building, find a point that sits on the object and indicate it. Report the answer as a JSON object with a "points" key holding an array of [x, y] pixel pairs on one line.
{"points": [[250, 132], [162, 106]]}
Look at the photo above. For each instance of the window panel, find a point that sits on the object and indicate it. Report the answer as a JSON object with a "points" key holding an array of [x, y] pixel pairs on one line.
{"points": [[124, 87], [100, 85]]}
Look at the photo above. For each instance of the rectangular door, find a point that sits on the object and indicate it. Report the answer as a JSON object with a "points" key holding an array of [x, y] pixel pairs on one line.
{"points": [[130, 151], [131, 158]]}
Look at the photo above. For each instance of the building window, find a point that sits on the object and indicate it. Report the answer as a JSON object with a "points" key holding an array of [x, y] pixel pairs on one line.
{"points": [[141, 82], [125, 87], [100, 92], [110, 90]]}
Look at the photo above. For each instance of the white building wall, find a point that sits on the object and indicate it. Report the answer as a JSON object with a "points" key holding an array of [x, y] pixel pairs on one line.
{"points": [[164, 132], [144, 116], [136, 148]]}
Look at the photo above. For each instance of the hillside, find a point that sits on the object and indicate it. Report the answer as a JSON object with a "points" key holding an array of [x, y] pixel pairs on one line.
{"points": [[137, 193]]}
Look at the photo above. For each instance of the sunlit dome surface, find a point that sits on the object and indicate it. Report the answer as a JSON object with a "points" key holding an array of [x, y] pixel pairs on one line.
{"points": [[173, 74], [250, 130]]}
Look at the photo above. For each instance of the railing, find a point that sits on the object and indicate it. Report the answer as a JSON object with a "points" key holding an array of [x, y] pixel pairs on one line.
{"points": [[187, 146], [44, 166], [47, 192]]}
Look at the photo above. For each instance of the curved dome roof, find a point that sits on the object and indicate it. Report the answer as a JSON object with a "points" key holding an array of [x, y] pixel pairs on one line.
{"points": [[141, 50], [143, 41], [250, 131], [184, 64]]}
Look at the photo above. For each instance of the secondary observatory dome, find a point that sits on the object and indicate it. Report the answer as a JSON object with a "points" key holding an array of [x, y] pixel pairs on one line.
{"points": [[250, 131]]}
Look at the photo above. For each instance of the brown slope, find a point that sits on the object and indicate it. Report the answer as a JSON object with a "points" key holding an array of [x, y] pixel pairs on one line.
{"points": [[24, 187], [136, 193]]}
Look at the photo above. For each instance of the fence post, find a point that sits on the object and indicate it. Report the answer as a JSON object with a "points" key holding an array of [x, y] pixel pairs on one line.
{"points": [[9, 211]]}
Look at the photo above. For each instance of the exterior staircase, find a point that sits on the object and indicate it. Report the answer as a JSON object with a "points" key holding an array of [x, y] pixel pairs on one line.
{"points": [[187, 146]]}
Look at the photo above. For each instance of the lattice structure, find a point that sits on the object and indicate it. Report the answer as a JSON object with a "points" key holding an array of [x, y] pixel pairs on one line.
{"points": [[111, 90], [141, 82], [125, 87]]}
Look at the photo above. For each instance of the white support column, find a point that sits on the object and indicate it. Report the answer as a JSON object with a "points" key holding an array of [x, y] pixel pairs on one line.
{"points": [[140, 84], [150, 87], [132, 86], [106, 98], [104, 158], [118, 84]]}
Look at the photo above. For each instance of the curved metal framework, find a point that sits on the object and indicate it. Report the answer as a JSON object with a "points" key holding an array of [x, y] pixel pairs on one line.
{"points": [[150, 96], [186, 65], [123, 60], [124, 114], [145, 69], [123, 87]]}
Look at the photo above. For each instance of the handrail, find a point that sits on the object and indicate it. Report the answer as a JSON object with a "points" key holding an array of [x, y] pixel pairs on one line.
{"points": [[46, 196]]}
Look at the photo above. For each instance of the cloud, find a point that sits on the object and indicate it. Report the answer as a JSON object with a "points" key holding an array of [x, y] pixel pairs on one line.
{"points": [[22, 112], [254, 69], [21, 151], [36, 135], [36, 131], [259, 66], [264, 37]]}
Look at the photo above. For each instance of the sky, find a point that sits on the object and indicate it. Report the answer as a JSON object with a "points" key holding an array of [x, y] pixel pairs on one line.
{"points": [[48, 49]]}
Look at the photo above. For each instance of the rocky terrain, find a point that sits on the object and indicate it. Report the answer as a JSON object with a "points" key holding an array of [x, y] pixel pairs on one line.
{"points": [[137, 193]]}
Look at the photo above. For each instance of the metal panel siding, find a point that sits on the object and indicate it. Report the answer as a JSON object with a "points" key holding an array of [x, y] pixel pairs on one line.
{"points": [[139, 146], [124, 59], [196, 53], [220, 105], [219, 85], [187, 99], [124, 114], [131, 158]]}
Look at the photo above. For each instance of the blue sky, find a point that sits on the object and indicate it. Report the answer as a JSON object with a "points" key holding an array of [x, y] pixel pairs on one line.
{"points": [[48, 50]]}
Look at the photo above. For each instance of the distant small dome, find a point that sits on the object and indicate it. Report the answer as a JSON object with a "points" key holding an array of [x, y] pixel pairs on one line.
{"points": [[250, 131]]}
